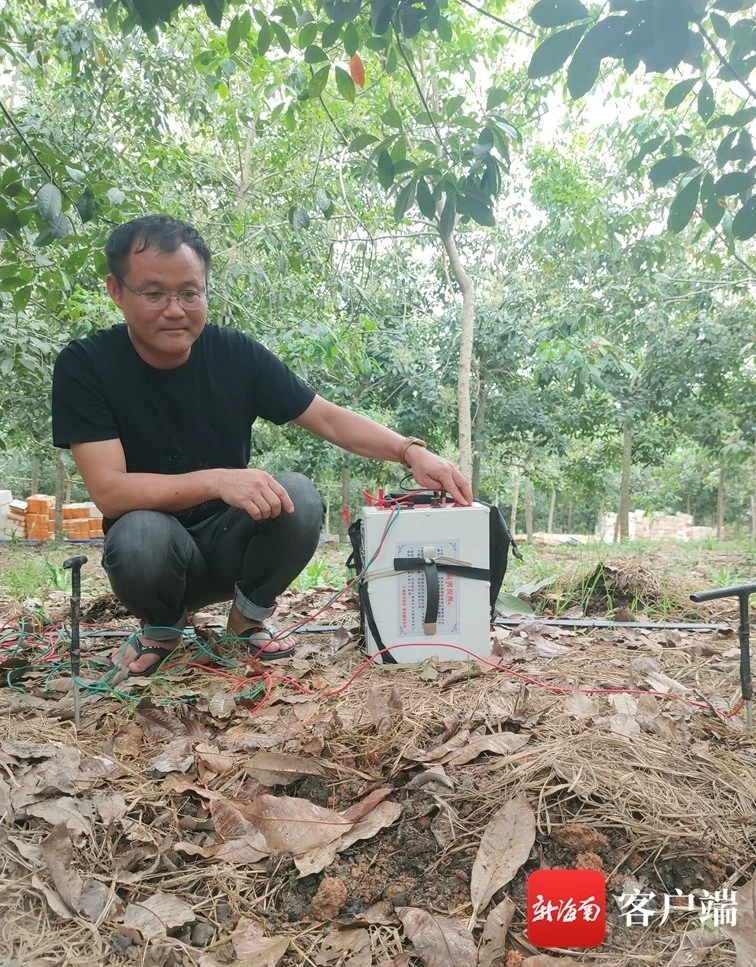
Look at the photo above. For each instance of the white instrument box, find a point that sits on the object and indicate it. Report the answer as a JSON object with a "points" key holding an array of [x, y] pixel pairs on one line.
{"points": [[456, 536]]}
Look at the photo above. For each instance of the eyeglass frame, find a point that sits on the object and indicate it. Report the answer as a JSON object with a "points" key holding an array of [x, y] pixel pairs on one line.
{"points": [[170, 295]]}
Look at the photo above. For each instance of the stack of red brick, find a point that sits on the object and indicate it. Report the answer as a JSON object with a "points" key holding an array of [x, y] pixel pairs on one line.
{"points": [[81, 522]]}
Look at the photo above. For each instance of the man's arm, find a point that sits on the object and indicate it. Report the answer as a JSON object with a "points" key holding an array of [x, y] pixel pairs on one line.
{"points": [[363, 436], [102, 466]]}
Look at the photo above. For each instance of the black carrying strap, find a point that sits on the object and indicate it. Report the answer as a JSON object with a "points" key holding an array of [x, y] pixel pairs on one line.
{"points": [[366, 608], [499, 538], [431, 569]]}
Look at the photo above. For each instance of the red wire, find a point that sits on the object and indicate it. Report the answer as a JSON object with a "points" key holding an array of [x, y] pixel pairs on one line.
{"points": [[355, 579], [269, 679]]}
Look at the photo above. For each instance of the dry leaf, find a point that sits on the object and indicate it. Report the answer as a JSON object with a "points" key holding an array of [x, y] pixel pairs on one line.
{"points": [[175, 757], [295, 826], [65, 810], [221, 706], [158, 725], [128, 740], [94, 769], [381, 912], [500, 743], [111, 808], [179, 784], [246, 851], [624, 704], [339, 639], [138, 832], [504, 847], [442, 827], [24, 750], [54, 901], [241, 737], [626, 725], [550, 649], [662, 683], [743, 934], [434, 780], [690, 957], [28, 850], [210, 760], [494, 938], [366, 805], [454, 744], [580, 705], [384, 814], [157, 915], [278, 769], [317, 859], [86, 898], [231, 826], [544, 960], [439, 941], [253, 948], [57, 851], [347, 946]]}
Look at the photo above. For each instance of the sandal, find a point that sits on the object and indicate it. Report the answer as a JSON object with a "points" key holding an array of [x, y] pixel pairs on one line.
{"points": [[159, 652], [258, 638]]}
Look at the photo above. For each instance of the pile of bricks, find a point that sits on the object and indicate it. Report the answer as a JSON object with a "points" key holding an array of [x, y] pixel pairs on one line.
{"points": [[655, 527], [34, 519], [81, 522], [12, 517], [40, 517]]}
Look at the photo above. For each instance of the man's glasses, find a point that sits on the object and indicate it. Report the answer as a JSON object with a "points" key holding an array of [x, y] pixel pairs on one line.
{"points": [[157, 299]]}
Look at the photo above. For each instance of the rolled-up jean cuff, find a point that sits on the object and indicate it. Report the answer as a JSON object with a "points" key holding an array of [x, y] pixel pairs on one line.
{"points": [[249, 609], [164, 632]]}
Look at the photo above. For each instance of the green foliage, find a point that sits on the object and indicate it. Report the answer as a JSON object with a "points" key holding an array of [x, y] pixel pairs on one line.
{"points": [[711, 38]]}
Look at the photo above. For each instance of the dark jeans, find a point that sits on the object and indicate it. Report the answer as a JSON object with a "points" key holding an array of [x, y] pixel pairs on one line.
{"points": [[160, 569]]}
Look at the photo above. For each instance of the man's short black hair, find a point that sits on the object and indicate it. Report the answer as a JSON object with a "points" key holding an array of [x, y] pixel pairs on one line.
{"points": [[160, 232]]}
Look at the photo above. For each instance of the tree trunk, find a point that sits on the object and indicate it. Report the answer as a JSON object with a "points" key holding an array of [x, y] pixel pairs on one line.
{"points": [[515, 499], [528, 508], [627, 461], [721, 499], [688, 504], [570, 507], [478, 427], [345, 515], [753, 495], [60, 486], [552, 505], [35, 475], [465, 355]]}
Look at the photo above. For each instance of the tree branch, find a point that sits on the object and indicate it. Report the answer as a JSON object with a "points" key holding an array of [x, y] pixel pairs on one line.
{"points": [[504, 23], [28, 147], [422, 97], [725, 63], [330, 118]]}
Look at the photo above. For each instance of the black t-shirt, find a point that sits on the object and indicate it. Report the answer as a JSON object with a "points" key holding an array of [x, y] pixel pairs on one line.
{"points": [[195, 417]]}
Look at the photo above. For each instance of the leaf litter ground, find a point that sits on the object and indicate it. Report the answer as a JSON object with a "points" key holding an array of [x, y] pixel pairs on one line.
{"points": [[216, 815]]}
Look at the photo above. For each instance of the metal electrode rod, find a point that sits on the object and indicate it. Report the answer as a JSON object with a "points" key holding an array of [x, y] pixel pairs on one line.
{"points": [[742, 593], [74, 565]]}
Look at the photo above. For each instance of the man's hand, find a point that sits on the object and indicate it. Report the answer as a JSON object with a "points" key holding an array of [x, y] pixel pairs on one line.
{"points": [[434, 473], [254, 491]]}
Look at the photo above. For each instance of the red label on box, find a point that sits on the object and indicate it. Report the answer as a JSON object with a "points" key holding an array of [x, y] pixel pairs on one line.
{"points": [[566, 908]]}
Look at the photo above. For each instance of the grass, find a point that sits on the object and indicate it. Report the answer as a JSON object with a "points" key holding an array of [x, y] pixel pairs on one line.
{"points": [[28, 571]]}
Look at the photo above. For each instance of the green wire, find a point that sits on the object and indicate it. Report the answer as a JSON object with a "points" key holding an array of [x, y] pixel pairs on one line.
{"points": [[201, 650]]}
